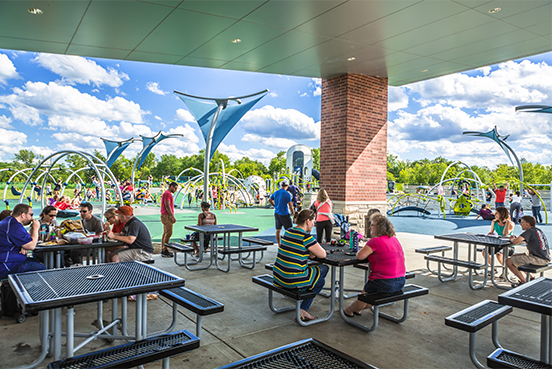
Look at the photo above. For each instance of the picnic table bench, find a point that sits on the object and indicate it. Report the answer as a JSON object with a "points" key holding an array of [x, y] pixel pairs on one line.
{"points": [[193, 301], [130, 355]]}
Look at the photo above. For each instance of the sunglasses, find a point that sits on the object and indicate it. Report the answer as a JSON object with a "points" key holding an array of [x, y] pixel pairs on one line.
{"points": [[52, 215], [83, 211]]}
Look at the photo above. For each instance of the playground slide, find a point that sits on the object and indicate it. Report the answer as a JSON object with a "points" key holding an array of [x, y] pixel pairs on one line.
{"points": [[408, 208]]}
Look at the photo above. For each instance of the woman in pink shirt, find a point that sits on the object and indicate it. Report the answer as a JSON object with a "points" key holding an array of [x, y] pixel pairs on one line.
{"points": [[386, 258], [324, 222]]}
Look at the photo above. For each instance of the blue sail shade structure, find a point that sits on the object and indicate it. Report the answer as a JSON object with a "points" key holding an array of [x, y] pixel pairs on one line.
{"points": [[216, 119], [147, 145], [114, 149], [534, 109], [501, 141]]}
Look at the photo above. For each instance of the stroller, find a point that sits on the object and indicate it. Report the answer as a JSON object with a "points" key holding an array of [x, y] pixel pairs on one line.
{"points": [[343, 223]]}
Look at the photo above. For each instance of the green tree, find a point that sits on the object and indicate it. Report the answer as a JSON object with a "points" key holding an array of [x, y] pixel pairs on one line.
{"points": [[26, 159], [316, 158], [248, 167], [278, 164]]}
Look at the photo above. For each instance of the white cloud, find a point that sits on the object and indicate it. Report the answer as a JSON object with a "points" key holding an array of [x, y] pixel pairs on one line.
{"points": [[7, 69], [52, 99], [185, 115], [397, 98], [5, 122], [154, 87], [278, 143], [317, 85], [269, 121], [272, 94], [76, 69], [158, 117], [262, 155], [509, 85], [304, 94]]}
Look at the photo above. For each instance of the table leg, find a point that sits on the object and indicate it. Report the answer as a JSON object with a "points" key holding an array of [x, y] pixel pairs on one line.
{"points": [[549, 339], [545, 339], [124, 316], [58, 259], [138, 318], [114, 306], [57, 334], [504, 268], [70, 338]]}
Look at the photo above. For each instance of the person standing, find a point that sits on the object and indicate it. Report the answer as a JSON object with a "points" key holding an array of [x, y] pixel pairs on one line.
{"points": [[96, 183], [15, 242], [536, 204], [537, 249], [500, 194], [324, 218], [283, 206], [293, 190], [57, 187], [167, 218], [515, 206]]}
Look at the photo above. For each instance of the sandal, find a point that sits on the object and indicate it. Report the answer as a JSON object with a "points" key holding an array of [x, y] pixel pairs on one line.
{"points": [[349, 315], [307, 319], [357, 314]]}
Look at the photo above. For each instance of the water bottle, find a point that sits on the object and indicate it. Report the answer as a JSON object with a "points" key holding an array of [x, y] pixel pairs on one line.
{"points": [[351, 238], [355, 242], [43, 232]]}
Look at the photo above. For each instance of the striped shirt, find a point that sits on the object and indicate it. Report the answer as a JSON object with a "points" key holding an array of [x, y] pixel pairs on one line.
{"points": [[291, 269]]}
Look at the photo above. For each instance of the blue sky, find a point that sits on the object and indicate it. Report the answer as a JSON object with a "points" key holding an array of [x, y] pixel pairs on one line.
{"points": [[53, 102]]}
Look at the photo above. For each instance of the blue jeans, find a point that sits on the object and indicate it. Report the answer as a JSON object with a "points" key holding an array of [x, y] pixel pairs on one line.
{"points": [[499, 205], [305, 304], [536, 213], [385, 285], [29, 265]]}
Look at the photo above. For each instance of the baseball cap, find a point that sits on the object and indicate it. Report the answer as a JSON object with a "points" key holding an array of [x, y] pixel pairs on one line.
{"points": [[284, 183], [125, 210]]}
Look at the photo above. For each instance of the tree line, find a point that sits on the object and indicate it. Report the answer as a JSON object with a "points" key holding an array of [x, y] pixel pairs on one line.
{"points": [[429, 171], [157, 167]]}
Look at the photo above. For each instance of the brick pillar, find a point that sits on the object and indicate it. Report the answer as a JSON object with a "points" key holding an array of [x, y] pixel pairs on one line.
{"points": [[353, 144]]}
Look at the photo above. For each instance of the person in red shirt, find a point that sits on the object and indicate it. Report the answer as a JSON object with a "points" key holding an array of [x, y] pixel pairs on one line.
{"points": [[113, 223], [500, 194], [167, 218]]}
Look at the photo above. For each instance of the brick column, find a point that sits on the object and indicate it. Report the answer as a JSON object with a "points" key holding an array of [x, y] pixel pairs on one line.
{"points": [[353, 144]]}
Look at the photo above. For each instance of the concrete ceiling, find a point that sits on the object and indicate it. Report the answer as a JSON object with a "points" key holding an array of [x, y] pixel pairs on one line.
{"points": [[404, 40]]}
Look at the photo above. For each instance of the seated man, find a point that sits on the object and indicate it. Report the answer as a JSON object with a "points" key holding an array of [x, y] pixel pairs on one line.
{"points": [[537, 246], [91, 224], [485, 213], [135, 234], [15, 242]]}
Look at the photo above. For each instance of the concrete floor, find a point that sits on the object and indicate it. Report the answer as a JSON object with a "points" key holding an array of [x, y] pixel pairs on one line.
{"points": [[247, 326]]}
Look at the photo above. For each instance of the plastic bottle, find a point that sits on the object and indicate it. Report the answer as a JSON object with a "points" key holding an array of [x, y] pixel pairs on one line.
{"points": [[52, 236]]}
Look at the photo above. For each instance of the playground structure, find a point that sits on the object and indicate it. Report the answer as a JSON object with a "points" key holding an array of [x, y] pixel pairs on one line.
{"points": [[226, 190], [100, 168], [458, 201]]}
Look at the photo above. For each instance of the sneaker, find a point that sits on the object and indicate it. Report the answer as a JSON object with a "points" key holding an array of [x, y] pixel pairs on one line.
{"points": [[166, 254]]}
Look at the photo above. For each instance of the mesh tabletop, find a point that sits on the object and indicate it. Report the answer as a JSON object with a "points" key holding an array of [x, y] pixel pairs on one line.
{"points": [[337, 256], [221, 228], [479, 239], [534, 296], [308, 354], [66, 247], [70, 286]]}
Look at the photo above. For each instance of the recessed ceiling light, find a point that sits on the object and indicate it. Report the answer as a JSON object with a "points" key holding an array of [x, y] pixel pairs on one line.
{"points": [[351, 58], [236, 40], [424, 70], [494, 10], [35, 11]]}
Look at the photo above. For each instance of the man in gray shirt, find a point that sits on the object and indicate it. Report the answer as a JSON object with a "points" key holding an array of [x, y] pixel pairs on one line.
{"points": [[535, 204], [91, 224], [135, 234], [537, 247]]}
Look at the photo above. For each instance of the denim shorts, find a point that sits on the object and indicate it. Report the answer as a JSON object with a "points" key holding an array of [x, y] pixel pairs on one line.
{"points": [[385, 285]]}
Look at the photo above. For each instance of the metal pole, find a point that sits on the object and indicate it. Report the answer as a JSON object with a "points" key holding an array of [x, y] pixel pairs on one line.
{"points": [[208, 144]]}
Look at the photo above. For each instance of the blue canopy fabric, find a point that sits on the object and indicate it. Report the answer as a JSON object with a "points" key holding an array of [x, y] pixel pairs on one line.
{"points": [[114, 150], [204, 113], [148, 144]]}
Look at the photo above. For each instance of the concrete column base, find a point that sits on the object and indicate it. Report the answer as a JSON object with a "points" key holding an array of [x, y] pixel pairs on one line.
{"points": [[357, 211]]}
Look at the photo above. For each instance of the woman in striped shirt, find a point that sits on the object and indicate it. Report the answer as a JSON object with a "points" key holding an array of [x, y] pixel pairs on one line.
{"points": [[291, 269]]}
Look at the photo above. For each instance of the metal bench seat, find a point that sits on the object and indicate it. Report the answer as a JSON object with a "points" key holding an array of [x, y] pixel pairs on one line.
{"points": [[501, 358], [297, 295], [257, 241], [461, 263], [475, 317], [537, 269], [133, 354], [431, 250], [377, 298], [195, 302]]}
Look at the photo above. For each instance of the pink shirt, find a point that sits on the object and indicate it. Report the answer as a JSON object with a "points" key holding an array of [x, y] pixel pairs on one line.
{"points": [[387, 260], [325, 208], [169, 199]]}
